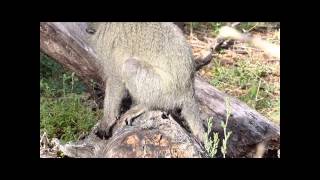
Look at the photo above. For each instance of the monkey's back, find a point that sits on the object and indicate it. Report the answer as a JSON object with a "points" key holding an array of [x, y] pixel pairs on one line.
{"points": [[160, 45]]}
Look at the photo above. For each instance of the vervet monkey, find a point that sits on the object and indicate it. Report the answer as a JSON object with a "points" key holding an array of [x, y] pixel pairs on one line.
{"points": [[153, 62]]}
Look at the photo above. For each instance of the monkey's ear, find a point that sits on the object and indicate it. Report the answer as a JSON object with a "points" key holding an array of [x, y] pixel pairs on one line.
{"points": [[91, 27], [90, 30]]}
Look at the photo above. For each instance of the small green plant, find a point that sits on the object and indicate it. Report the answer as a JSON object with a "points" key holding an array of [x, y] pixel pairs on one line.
{"points": [[211, 145], [224, 126]]}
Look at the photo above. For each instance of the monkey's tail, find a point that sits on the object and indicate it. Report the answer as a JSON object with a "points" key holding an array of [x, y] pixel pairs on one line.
{"points": [[267, 47]]}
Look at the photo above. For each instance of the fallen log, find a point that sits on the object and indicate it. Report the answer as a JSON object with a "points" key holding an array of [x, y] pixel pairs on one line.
{"points": [[155, 134]]}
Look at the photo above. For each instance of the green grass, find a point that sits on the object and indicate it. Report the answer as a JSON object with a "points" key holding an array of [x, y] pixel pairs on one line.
{"points": [[242, 26], [63, 111], [215, 26], [55, 80], [246, 26], [246, 81]]}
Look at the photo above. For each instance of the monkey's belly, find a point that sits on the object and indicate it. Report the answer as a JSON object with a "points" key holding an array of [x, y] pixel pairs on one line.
{"points": [[156, 97]]}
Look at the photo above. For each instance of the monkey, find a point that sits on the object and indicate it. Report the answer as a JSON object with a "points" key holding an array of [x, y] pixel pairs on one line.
{"points": [[150, 61]]}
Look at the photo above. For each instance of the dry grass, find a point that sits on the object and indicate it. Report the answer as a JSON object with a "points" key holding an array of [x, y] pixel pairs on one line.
{"points": [[241, 70]]}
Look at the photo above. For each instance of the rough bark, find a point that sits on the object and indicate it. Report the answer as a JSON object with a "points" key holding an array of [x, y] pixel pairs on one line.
{"points": [[154, 134]]}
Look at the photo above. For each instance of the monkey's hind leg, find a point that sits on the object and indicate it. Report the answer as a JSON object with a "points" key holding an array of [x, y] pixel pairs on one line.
{"points": [[191, 113], [115, 91], [134, 112]]}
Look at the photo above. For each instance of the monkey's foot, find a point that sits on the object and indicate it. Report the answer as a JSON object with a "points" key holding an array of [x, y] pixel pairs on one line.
{"points": [[127, 118], [103, 131]]}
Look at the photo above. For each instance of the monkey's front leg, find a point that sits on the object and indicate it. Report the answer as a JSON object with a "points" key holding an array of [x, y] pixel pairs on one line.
{"points": [[132, 113], [115, 91]]}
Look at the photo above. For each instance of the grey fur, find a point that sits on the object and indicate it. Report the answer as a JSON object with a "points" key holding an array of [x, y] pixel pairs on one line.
{"points": [[153, 62]]}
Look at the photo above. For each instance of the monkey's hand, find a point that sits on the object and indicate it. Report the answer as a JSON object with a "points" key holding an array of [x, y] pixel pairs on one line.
{"points": [[127, 118]]}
